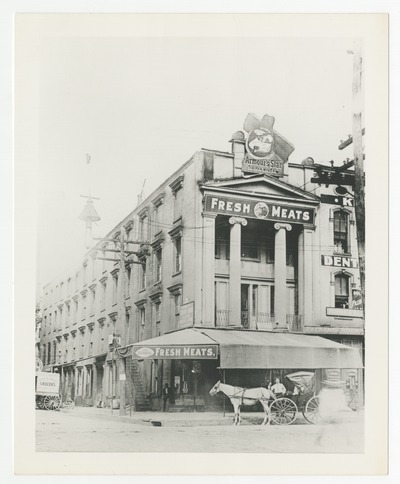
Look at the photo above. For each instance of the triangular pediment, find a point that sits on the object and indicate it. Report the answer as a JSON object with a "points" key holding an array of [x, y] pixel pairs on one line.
{"points": [[262, 185]]}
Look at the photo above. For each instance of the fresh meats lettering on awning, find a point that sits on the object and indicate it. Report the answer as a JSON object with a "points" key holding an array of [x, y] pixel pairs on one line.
{"points": [[171, 352]]}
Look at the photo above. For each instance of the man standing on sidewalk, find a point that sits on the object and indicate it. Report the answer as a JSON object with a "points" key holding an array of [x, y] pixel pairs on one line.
{"points": [[165, 397]]}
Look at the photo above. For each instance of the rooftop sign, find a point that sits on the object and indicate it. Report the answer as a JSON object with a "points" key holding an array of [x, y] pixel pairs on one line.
{"points": [[266, 150]]}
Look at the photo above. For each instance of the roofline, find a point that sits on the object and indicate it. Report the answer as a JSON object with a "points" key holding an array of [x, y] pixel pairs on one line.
{"points": [[257, 194], [274, 181]]}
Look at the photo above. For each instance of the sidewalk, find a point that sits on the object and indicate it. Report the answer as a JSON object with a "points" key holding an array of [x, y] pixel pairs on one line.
{"points": [[164, 419], [180, 419]]}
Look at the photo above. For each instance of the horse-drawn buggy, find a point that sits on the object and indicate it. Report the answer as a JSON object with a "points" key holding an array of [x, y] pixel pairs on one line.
{"points": [[47, 386], [282, 410]]}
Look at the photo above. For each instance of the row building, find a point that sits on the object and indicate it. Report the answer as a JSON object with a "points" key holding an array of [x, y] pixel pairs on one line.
{"points": [[229, 269]]}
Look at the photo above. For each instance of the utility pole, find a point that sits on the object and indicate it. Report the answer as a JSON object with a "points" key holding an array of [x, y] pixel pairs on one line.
{"points": [[359, 189], [122, 324], [117, 347]]}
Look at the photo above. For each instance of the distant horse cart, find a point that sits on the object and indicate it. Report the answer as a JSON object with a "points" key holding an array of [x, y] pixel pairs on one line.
{"points": [[47, 387], [283, 410]]}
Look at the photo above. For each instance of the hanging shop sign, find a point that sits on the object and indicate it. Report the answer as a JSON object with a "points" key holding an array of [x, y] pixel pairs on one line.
{"points": [[258, 209], [338, 200], [175, 352], [339, 261], [186, 315]]}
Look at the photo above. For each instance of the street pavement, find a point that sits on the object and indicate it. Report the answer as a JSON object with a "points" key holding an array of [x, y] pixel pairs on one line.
{"points": [[82, 429]]}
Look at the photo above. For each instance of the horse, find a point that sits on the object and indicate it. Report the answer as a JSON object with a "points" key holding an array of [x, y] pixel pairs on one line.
{"points": [[245, 396]]}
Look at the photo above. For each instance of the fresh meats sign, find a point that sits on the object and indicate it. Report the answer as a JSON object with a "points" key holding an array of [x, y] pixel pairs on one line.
{"points": [[175, 352], [258, 209]]}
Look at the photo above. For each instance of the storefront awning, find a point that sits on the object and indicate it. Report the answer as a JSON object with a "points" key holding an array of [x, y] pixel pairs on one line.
{"points": [[240, 349]]}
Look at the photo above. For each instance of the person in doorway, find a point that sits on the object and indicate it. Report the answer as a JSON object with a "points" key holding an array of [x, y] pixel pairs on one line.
{"points": [[166, 396], [278, 388]]}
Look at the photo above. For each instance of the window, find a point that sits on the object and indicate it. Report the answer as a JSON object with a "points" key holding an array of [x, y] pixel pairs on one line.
{"points": [[222, 241], [142, 274], [128, 281], [84, 309], [92, 301], [48, 353], [69, 286], [340, 231], [76, 308], [157, 312], [249, 248], [88, 389], [341, 291], [177, 254], [177, 303], [68, 314], [115, 289], [55, 320], [103, 295], [158, 263], [142, 316], [143, 228]]}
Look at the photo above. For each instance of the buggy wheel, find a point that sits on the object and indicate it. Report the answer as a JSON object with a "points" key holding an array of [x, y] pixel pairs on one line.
{"points": [[311, 411], [52, 402], [40, 402], [283, 411]]}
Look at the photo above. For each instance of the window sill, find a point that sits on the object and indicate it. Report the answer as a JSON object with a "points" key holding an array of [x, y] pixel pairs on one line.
{"points": [[142, 290], [344, 254], [250, 259], [177, 273]]}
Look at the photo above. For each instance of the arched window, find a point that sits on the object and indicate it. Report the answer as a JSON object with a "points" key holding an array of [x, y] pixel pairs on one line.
{"points": [[341, 291], [341, 231]]}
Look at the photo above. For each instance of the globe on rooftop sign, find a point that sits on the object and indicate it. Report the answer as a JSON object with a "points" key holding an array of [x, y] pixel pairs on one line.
{"points": [[266, 150]]}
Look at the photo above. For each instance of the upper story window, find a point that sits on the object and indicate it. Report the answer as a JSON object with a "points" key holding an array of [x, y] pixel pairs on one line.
{"points": [[341, 231], [249, 247], [144, 227], [158, 263], [341, 291], [142, 274], [128, 274], [177, 254], [115, 288], [222, 240]]}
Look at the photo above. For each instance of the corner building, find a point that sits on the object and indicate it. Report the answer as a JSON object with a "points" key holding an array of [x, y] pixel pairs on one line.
{"points": [[238, 244]]}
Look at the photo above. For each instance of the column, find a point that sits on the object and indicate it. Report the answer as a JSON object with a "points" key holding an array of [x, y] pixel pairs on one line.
{"points": [[308, 285], [208, 242], [280, 274], [234, 270], [94, 383]]}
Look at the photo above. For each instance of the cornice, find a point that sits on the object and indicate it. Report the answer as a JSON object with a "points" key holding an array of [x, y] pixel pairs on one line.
{"points": [[177, 184]]}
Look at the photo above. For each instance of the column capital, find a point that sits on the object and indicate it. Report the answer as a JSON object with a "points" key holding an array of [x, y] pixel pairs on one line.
{"points": [[238, 220], [280, 225]]}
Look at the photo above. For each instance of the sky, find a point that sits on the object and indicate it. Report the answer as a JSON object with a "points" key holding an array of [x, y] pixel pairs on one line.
{"points": [[141, 106]]}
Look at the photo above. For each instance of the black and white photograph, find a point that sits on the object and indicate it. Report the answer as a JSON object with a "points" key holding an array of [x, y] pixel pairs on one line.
{"points": [[199, 214]]}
